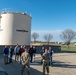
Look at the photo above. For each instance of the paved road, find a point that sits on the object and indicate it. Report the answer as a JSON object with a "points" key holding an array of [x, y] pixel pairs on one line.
{"points": [[64, 64]]}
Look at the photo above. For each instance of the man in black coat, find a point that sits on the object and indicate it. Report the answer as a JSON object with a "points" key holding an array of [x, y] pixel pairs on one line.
{"points": [[11, 50], [31, 52], [34, 50]]}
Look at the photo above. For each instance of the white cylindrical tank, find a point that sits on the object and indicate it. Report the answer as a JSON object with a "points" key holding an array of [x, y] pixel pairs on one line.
{"points": [[15, 29]]}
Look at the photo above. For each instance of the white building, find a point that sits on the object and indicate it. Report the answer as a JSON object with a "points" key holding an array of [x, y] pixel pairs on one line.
{"points": [[15, 28]]}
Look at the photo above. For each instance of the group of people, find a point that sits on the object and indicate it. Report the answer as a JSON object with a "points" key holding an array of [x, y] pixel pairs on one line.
{"points": [[46, 55], [8, 53], [17, 51], [26, 56], [50, 51]]}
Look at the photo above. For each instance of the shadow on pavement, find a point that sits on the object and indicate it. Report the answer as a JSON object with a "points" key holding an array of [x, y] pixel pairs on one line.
{"points": [[59, 62], [63, 64], [15, 68], [35, 72]]}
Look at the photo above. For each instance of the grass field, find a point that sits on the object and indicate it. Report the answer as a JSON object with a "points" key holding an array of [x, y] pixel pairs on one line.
{"points": [[71, 48]]}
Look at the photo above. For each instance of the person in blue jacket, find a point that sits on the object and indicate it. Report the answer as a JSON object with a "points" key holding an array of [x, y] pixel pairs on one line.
{"points": [[51, 55], [6, 53], [41, 52]]}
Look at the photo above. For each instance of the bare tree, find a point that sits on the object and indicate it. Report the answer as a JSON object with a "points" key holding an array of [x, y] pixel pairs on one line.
{"points": [[67, 36], [48, 37], [35, 36]]}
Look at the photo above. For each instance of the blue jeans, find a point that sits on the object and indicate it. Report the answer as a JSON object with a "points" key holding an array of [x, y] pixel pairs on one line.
{"points": [[50, 60], [10, 58]]}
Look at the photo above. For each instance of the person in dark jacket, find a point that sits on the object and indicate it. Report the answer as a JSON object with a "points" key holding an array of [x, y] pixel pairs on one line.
{"points": [[6, 52], [21, 50], [31, 52], [11, 50], [34, 51]]}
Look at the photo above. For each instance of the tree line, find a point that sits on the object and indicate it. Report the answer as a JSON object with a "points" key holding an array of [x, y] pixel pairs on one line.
{"points": [[66, 35]]}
